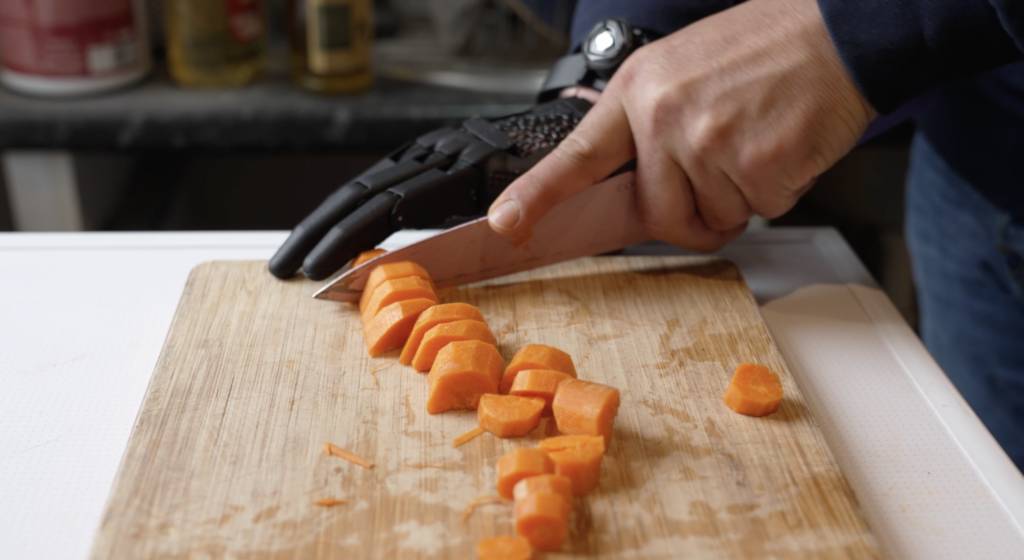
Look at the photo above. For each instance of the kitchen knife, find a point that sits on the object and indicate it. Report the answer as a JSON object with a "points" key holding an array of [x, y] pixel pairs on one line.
{"points": [[600, 219]]}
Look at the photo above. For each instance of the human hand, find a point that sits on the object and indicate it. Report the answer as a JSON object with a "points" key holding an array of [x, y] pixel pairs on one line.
{"points": [[733, 116]]}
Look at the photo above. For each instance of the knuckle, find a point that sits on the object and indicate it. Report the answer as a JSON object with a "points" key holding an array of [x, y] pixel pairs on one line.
{"points": [[577, 151]]}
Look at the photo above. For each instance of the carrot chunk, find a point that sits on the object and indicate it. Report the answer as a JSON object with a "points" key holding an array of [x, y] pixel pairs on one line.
{"points": [[440, 336], [578, 458], [545, 484], [536, 356], [401, 289], [754, 391], [504, 548], [444, 313], [468, 436], [390, 271], [542, 520], [367, 255], [390, 328], [462, 372], [328, 502], [331, 449], [540, 383], [508, 416], [518, 464], [584, 408]]}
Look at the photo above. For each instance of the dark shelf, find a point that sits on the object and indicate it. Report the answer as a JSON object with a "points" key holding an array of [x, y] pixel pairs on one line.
{"points": [[272, 114]]}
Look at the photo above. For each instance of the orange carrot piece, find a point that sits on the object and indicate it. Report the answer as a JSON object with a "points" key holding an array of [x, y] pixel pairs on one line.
{"points": [[504, 548], [479, 501], [754, 391], [468, 436], [545, 484], [578, 458], [367, 255], [536, 356], [542, 520], [440, 336], [390, 271], [584, 408], [331, 449], [509, 416], [540, 383], [518, 464], [462, 372], [401, 289], [328, 502], [391, 327], [444, 313]]}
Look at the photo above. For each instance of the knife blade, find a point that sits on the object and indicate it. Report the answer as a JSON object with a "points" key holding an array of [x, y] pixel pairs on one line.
{"points": [[600, 219]]}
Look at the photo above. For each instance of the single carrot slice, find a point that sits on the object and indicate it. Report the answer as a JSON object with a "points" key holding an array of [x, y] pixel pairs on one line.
{"points": [[331, 449], [542, 520], [508, 416], [584, 408], [578, 458], [754, 391], [444, 313], [401, 289], [518, 464], [367, 255], [445, 333], [468, 436], [540, 383], [390, 271], [545, 484], [504, 548], [390, 328], [536, 356], [328, 502], [462, 373]]}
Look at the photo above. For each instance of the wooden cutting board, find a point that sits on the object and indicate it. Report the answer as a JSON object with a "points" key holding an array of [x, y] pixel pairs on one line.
{"points": [[225, 458]]}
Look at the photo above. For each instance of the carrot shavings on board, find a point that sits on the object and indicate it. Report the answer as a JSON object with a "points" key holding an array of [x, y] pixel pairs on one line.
{"points": [[467, 436], [373, 372], [479, 501], [328, 502], [331, 449]]}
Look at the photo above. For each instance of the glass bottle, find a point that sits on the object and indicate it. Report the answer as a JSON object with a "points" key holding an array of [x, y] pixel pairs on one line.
{"points": [[330, 44], [215, 43]]}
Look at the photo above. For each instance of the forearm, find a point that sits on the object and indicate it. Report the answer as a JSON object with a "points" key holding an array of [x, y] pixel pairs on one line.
{"points": [[898, 49]]}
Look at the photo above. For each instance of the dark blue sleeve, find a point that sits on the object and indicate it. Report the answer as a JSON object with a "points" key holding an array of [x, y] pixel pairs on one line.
{"points": [[660, 16], [898, 49]]}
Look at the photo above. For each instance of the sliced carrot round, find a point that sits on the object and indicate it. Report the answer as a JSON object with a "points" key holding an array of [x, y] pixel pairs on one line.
{"points": [[503, 548], [440, 336], [545, 484], [541, 383], [542, 520], [462, 373], [518, 464], [578, 458], [508, 416], [754, 391], [585, 408], [390, 291], [390, 271], [536, 356], [367, 255], [443, 313], [390, 328]]}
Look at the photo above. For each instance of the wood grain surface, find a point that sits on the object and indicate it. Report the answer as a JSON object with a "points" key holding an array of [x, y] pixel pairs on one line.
{"points": [[225, 460]]}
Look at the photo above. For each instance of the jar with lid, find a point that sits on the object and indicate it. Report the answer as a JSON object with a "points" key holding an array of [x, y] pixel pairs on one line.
{"points": [[215, 43], [331, 44]]}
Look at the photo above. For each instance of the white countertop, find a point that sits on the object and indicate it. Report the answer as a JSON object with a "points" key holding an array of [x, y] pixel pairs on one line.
{"points": [[83, 318]]}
